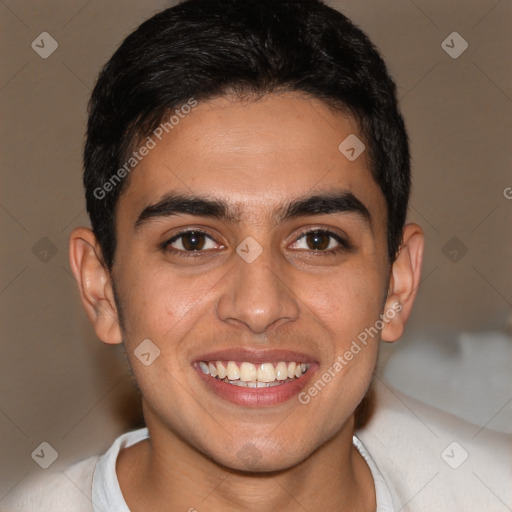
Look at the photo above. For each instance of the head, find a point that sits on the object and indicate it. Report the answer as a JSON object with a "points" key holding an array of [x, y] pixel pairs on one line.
{"points": [[247, 176]]}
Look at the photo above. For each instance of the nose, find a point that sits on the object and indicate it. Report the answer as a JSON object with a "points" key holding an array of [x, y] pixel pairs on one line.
{"points": [[257, 295]]}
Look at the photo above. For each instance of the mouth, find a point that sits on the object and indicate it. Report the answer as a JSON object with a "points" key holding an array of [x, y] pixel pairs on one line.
{"points": [[249, 375], [255, 378]]}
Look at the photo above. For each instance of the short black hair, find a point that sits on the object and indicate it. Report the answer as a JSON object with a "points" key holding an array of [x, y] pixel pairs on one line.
{"points": [[201, 49]]}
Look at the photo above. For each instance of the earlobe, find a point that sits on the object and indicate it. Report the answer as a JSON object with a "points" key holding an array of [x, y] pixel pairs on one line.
{"points": [[404, 282], [95, 285]]}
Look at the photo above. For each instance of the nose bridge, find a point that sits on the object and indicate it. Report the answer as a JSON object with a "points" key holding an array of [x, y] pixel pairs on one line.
{"points": [[257, 295]]}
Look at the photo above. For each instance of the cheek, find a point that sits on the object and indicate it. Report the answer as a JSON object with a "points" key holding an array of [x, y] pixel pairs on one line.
{"points": [[156, 301], [347, 302], [348, 305]]}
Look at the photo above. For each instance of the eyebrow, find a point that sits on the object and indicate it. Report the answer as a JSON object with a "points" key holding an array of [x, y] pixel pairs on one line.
{"points": [[317, 204]]}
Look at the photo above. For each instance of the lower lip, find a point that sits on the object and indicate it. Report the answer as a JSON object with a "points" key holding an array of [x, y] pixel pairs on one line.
{"points": [[257, 397]]}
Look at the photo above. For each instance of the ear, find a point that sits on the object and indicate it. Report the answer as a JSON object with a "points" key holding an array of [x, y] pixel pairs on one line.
{"points": [[403, 283], [95, 285]]}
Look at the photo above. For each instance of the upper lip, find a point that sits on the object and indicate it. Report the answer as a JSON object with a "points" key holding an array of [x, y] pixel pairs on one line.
{"points": [[256, 356]]}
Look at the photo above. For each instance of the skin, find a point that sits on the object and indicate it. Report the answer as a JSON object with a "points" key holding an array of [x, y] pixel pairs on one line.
{"points": [[255, 156]]}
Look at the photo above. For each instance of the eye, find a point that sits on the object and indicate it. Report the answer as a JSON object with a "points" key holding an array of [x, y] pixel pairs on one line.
{"points": [[191, 241], [320, 240]]}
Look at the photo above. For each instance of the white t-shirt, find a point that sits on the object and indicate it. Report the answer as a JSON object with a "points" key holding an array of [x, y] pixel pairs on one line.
{"points": [[422, 460]]}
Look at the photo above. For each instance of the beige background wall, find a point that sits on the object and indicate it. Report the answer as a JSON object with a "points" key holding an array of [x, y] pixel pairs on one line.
{"points": [[61, 385]]}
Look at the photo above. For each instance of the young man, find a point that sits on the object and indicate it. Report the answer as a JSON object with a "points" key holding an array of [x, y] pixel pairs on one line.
{"points": [[247, 178]]}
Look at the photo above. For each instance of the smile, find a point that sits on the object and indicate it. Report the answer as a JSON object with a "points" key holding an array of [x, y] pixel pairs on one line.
{"points": [[249, 375]]}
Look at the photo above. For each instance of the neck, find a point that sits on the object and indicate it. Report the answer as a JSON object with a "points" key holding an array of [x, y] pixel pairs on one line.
{"points": [[166, 473]]}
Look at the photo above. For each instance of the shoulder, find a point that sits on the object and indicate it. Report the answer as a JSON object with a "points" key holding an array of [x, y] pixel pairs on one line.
{"points": [[64, 491], [435, 461]]}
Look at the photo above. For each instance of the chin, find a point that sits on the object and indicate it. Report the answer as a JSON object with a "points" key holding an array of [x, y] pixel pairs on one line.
{"points": [[259, 457]]}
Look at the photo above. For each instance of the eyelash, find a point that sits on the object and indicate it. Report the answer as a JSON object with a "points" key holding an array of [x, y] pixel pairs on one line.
{"points": [[344, 245], [180, 252]]}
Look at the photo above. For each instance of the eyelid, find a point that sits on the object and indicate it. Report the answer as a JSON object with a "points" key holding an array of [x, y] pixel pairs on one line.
{"points": [[342, 240], [184, 231]]}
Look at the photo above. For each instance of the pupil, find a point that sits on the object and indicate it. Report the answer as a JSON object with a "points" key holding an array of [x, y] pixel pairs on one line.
{"points": [[318, 240], [193, 241]]}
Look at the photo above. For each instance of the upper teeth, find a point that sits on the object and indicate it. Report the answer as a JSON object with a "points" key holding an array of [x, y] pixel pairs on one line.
{"points": [[248, 372]]}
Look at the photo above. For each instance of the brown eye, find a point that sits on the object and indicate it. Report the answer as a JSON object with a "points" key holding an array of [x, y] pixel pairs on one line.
{"points": [[191, 241], [318, 240]]}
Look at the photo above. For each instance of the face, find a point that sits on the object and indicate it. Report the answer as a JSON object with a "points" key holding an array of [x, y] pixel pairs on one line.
{"points": [[249, 244]]}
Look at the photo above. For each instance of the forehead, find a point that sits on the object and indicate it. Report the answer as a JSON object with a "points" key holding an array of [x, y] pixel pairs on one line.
{"points": [[254, 155]]}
